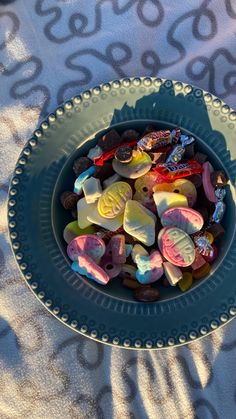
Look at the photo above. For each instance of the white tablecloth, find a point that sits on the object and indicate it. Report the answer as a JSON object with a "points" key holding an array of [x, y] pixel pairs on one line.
{"points": [[49, 51]]}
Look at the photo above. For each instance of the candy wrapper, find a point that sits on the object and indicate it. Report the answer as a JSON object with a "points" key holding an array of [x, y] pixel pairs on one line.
{"points": [[178, 152], [203, 245], [219, 206], [170, 171], [158, 139]]}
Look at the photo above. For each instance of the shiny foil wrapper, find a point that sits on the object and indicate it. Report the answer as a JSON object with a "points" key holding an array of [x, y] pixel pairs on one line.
{"points": [[203, 245], [218, 214], [220, 193], [178, 152], [157, 139]]}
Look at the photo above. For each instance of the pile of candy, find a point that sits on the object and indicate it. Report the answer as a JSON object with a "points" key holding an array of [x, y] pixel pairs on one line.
{"points": [[146, 209]]}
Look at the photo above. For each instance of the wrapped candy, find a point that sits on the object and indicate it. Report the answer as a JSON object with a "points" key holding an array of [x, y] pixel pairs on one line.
{"points": [[158, 139], [170, 171], [178, 152], [203, 245], [219, 206], [99, 161]]}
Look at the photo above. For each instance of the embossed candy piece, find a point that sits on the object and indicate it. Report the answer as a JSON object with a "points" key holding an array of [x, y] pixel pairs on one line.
{"points": [[90, 244], [138, 223], [92, 190], [72, 230], [84, 209], [173, 273], [182, 186], [112, 202], [140, 164], [146, 294], [111, 224], [86, 266], [176, 246], [206, 181], [165, 200], [186, 219]]}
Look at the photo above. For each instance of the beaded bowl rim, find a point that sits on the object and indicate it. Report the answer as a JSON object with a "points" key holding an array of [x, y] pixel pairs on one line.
{"points": [[139, 344]]}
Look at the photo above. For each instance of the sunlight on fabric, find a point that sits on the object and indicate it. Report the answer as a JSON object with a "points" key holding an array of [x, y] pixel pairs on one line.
{"points": [[17, 50]]}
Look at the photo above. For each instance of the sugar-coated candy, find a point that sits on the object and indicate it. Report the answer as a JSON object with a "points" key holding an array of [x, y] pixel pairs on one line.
{"points": [[178, 151], [166, 200], [176, 246], [219, 178], [198, 261], [144, 185], [112, 269], [146, 294], [82, 178], [69, 200], [206, 181], [81, 164], [186, 219], [173, 273], [210, 258], [128, 249], [90, 244], [129, 135], [137, 252], [112, 179], [200, 157], [171, 171], [86, 266], [109, 140], [112, 202], [186, 282], [128, 271], [111, 224], [138, 223], [150, 268], [217, 230], [92, 190], [72, 230], [124, 154], [204, 270], [140, 164], [116, 248], [182, 186], [83, 210], [95, 152]]}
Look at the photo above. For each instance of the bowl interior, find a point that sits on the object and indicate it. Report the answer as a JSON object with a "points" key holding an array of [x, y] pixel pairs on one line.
{"points": [[65, 181]]}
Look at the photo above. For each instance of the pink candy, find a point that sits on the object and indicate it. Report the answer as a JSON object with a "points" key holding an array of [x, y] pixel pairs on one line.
{"points": [[85, 265], [206, 181], [90, 244]]}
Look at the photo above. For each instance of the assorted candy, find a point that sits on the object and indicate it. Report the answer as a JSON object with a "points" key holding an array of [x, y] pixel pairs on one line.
{"points": [[148, 212]]}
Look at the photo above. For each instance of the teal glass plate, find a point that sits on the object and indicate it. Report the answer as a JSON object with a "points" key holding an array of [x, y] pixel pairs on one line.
{"points": [[36, 219]]}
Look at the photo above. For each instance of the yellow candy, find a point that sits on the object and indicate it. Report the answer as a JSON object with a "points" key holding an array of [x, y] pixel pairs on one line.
{"points": [[139, 223], [165, 200], [144, 184], [182, 186], [113, 200], [186, 282], [209, 236], [140, 164]]}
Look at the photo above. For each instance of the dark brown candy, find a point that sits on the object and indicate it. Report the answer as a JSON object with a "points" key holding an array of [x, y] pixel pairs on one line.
{"points": [[200, 157], [196, 180], [149, 128], [110, 140], [219, 178], [129, 135], [189, 151], [131, 283], [124, 154], [204, 212], [216, 230], [81, 164], [157, 158], [69, 200], [74, 214], [104, 172], [146, 294]]}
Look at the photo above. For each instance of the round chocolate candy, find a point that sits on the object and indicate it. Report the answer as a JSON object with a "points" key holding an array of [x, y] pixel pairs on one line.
{"points": [[81, 164], [124, 154], [69, 200], [146, 294]]}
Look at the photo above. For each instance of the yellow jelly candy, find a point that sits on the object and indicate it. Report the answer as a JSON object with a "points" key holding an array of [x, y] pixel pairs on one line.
{"points": [[209, 236], [112, 202], [182, 186], [186, 282], [165, 200]]}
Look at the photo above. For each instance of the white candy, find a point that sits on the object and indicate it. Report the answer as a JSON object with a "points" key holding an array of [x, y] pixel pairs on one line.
{"points": [[94, 152], [83, 210], [173, 273], [111, 224], [111, 179], [92, 190], [138, 250]]}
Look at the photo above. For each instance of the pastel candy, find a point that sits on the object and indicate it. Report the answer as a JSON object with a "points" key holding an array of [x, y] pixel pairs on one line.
{"points": [[144, 186], [137, 252], [72, 230], [112, 269], [150, 268], [138, 223], [173, 273], [113, 200], [128, 249], [82, 178], [86, 266], [116, 248], [182, 186], [176, 246], [111, 179], [165, 200], [111, 224], [84, 209], [128, 271], [90, 244], [140, 164], [199, 261], [206, 181], [92, 190], [186, 219]]}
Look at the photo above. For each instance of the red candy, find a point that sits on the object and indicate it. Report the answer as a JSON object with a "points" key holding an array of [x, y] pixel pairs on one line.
{"points": [[214, 255], [170, 171], [98, 161]]}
